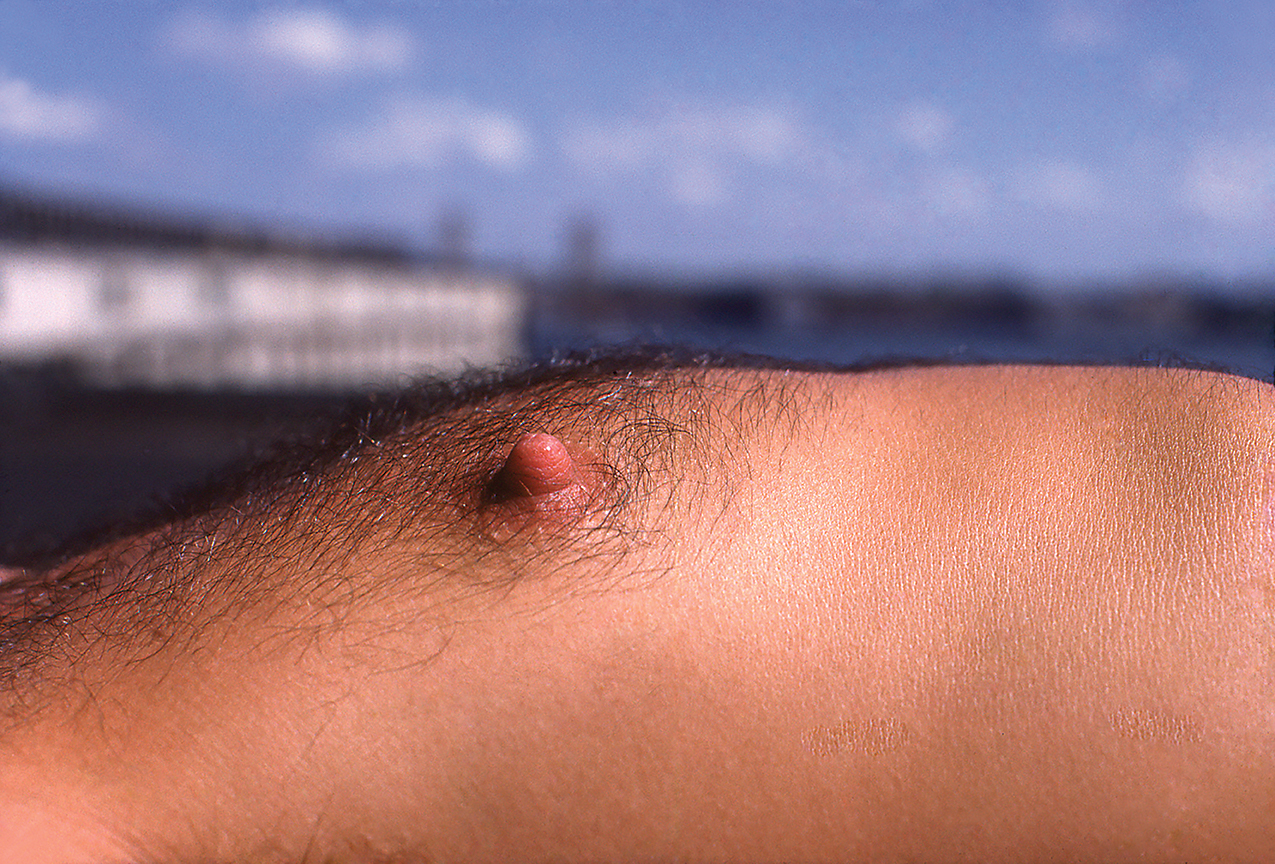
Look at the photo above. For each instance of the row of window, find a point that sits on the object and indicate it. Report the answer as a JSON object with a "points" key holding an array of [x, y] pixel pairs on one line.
{"points": [[115, 292], [116, 288]]}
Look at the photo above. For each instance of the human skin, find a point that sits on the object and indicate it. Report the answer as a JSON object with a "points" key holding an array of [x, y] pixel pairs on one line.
{"points": [[926, 614]]}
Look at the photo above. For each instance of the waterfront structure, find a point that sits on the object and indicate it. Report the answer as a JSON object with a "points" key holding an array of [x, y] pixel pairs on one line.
{"points": [[139, 300]]}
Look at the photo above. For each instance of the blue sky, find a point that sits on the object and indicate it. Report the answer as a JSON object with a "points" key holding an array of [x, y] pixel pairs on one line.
{"points": [[1063, 140]]}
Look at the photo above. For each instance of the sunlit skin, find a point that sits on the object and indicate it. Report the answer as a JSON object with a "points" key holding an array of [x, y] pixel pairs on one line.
{"points": [[934, 614]]}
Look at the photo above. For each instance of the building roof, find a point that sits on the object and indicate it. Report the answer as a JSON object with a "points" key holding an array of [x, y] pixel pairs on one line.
{"points": [[32, 218]]}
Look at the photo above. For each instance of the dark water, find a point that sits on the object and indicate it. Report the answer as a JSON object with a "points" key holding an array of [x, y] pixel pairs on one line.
{"points": [[1249, 352], [70, 458]]}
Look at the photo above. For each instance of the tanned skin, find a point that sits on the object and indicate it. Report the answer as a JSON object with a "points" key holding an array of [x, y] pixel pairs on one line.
{"points": [[654, 610]]}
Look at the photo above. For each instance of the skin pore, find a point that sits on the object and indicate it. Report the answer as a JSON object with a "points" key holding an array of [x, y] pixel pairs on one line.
{"points": [[641, 610]]}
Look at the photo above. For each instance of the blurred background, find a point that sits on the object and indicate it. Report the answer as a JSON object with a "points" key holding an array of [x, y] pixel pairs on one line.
{"points": [[217, 218]]}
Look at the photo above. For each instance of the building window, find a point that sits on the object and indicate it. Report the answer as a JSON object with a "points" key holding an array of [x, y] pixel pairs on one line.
{"points": [[213, 289], [113, 289]]}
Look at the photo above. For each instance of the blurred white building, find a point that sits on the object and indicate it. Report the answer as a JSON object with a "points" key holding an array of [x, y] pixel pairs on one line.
{"points": [[143, 301]]}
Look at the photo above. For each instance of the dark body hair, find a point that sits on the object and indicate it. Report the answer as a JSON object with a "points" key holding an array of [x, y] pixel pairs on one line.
{"points": [[408, 473]]}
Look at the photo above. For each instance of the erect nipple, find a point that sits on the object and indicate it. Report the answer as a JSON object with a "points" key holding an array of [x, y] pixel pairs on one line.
{"points": [[539, 464]]}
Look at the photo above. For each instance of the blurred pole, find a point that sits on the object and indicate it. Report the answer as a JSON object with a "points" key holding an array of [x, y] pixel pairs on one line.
{"points": [[583, 253], [454, 237]]}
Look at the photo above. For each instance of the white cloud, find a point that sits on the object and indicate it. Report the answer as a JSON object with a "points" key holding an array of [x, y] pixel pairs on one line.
{"points": [[1062, 186], [697, 184], [1233, 183], [1164, 78], [1084, 26], [749, 133], [309, 40], [27, 113], [415, 131], [692, 151], [925, 127], [958, 191]]}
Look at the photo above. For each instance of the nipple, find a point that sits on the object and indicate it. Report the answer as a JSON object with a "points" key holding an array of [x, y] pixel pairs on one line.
{"points": [[541, 478], [538, 464]]}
